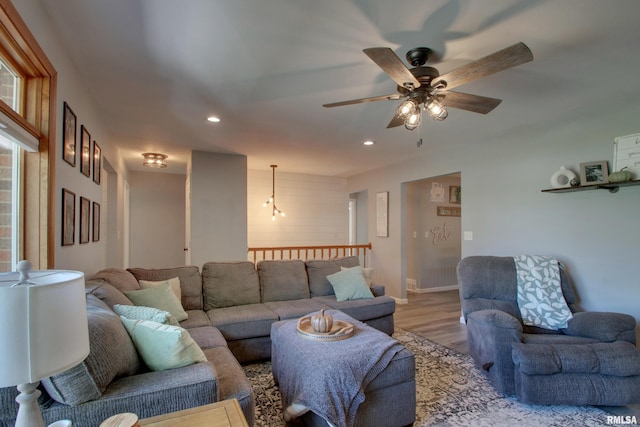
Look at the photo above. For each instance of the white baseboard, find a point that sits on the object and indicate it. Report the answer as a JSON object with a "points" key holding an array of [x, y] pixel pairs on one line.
{"points": [[401, 300], [438, 289]]}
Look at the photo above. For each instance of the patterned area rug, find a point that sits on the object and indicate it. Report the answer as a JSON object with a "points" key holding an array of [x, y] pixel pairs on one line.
{"points": [[450, 392]]}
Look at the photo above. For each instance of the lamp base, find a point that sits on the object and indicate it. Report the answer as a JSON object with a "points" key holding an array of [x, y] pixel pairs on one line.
{"points": [[29, 414]]}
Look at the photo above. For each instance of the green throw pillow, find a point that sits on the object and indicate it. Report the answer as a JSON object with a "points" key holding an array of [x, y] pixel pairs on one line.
{"points": [[349, 284], [139, 312], [163, 346], [160, 297], [366, 271], [173, 282]]}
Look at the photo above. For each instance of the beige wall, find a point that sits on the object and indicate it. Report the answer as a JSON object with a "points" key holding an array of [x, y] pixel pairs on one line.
{"points": [[157, 215]]}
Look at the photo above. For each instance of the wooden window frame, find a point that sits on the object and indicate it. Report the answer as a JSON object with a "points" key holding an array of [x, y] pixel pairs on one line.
{"points": [[38, 117]]}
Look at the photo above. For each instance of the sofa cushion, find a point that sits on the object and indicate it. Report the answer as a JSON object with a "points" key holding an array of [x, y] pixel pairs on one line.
{"points": [[318, 270], [163, 346], [283, 280], [137, 312], [160, 297], [112, 355], [106, 292], [197, 318], [121, 279], [349, 284], [190, 282], [295, 309], [227, 284], [207, 337], [362, 309], [620, 358], [243, 321]]}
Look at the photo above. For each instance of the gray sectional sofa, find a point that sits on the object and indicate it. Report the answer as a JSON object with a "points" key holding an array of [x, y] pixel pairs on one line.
{"points": [[230, 307]]}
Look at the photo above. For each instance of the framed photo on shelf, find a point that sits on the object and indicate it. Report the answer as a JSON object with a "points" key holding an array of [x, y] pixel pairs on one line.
{"points": [[455, 194], [69, 136], [96, 222], [68, 217], [382, 214], [592, 173], [85, 216], [85, 151], [97, 162]]}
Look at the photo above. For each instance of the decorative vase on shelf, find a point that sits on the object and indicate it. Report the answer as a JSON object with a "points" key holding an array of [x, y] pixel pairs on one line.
{"points": [[562, 178]]}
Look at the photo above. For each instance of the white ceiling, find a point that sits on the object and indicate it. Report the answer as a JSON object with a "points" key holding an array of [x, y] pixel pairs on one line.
{"points": [[156, 69]]}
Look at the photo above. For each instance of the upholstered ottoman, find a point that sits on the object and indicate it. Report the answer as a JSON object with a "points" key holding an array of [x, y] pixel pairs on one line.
{"points": [[313, 374], [577, 374]]}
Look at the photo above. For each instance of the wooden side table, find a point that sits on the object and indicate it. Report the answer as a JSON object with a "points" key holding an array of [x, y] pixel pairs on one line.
{"points": [[226, 413]]}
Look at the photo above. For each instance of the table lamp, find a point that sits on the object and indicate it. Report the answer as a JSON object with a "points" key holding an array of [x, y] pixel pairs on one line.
{"points": [[43, 331]]}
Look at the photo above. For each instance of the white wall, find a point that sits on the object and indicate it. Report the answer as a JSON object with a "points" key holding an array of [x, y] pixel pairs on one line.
{"points": [[88, 257], [218, 211], [316, 208], [157, 216], [594, 232]]}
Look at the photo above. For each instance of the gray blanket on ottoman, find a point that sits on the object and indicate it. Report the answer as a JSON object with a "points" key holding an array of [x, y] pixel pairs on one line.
{"points": [[328, 378]]}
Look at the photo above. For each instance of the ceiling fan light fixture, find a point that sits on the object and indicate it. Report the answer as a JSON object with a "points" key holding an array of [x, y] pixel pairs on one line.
{"points": [[436, 110], [407, 108], [413, 121], [154, 160]]}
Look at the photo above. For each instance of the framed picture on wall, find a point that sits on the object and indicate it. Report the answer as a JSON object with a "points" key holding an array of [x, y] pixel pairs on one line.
{"points": [[382, 214], [96, 222], [85, 216], [592, 173], [85, 153], [97, 162], [69, 136], [68, 217]]}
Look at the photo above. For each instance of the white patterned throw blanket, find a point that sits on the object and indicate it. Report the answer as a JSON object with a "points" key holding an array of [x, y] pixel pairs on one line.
{"points": [[540, 297]]}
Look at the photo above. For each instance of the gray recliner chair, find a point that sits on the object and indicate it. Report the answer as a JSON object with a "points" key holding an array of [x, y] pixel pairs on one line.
{"points": [[593, 361]]}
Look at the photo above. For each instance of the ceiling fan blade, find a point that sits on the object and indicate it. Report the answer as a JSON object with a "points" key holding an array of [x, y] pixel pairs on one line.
{"points": [[362, 100], [473, 103], [502, 60], [386, 59], [395, 122]]}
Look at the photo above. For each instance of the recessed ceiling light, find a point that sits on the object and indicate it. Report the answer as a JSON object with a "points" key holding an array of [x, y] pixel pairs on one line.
{"points": [[368, 142], [213, 119]]}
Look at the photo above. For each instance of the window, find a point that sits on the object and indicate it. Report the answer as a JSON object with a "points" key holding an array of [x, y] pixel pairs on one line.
{"points": [[10, 185], [27, 125]]}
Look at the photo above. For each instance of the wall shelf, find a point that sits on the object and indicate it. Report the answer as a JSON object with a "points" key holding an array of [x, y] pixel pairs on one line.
{"points": [[612, 187]]}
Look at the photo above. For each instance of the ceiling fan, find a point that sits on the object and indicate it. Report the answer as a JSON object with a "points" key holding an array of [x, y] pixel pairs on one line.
{"points": [[423, 88]]}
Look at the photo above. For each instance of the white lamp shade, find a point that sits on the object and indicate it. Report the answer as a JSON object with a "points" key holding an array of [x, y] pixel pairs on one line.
{"points": [[43, 325]]}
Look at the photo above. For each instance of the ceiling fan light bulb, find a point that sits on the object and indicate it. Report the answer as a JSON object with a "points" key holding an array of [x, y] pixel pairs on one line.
{"points": [[406, 109], [413, 121], [436, 110]]}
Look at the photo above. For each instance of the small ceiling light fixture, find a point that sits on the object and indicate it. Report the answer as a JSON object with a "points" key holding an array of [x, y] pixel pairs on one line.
{"points": [[213, 119], [154, 160], [368, 142], [272, 200]]}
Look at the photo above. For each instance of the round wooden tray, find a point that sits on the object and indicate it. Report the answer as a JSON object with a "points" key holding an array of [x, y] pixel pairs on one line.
{"points": [[340, 330]]}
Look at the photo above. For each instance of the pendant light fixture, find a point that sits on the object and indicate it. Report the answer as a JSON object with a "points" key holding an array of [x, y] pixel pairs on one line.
{"points": [[272, 200]]}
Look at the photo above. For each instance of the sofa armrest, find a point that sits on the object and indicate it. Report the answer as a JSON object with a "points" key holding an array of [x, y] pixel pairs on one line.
{"points": [[377, 290], [603, 326], [147, 395], [491, 334]]}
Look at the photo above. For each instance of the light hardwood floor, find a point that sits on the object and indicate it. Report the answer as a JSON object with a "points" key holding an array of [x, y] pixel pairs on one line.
{"points": [[436, 316]]}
